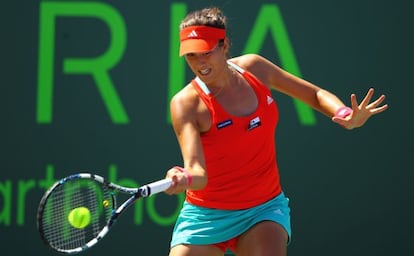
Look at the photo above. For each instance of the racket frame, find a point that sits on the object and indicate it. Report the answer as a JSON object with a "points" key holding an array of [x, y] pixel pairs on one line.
{"points": [[136, 193]]}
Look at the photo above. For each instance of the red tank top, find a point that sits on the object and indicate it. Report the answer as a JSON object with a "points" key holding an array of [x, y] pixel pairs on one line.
{"points": [[239, 151]]}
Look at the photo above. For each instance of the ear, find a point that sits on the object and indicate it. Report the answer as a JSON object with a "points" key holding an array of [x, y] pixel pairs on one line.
{"points": [[226, 45]]}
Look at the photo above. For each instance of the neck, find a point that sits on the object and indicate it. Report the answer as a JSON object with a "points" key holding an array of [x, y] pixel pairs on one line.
{"points": [[228, 78]]}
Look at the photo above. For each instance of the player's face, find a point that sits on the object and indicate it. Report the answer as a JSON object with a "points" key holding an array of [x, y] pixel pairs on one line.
{"points": [[206, 65]]}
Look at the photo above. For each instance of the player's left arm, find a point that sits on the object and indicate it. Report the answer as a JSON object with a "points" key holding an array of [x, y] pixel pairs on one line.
{"points": [[315, 96]]}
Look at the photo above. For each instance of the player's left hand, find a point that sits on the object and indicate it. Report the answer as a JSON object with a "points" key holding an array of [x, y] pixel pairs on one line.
{"points": [[362, 112]]}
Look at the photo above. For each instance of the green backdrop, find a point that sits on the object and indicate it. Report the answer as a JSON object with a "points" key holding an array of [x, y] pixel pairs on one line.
{"points": [[85, 86]]}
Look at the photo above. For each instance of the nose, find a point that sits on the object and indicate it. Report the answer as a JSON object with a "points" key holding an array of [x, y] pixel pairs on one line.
{"points": [[201, 59]]}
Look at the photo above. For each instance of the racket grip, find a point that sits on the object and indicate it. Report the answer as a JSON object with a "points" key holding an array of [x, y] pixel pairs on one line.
{"points": [[159, 186]]}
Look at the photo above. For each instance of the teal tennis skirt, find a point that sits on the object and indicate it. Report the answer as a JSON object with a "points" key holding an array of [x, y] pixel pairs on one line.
{"points": [[203, 226]]}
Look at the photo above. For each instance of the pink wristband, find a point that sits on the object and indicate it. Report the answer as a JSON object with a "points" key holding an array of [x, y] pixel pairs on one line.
{"points": [[187, 174], [343, 112]]}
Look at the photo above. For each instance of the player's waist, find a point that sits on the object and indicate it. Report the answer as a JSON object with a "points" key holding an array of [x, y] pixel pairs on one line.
{"points": [[234, 196]]}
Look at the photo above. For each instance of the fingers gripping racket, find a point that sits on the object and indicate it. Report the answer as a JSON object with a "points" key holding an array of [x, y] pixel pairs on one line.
{"points": [[77, 211]]}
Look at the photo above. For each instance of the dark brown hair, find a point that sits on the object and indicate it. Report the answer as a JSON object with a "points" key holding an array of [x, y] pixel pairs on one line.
{"points": [[212, 17]]}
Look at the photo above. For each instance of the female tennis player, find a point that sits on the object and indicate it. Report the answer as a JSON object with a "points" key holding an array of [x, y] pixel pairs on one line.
{"points": [[225, 121]]}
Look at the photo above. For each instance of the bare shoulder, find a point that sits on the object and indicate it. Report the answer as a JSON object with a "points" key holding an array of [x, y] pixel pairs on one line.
{"points": [[251, 61], [259, 66], [248, 61], [184, 101], [188, 110]]}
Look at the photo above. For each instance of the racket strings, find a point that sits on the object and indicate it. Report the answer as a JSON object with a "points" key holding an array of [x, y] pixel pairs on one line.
{"points": [[87, 193]]}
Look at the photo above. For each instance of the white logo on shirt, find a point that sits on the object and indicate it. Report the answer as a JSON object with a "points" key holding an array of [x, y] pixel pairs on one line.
{"points": [[269, 100], [255, 122]]}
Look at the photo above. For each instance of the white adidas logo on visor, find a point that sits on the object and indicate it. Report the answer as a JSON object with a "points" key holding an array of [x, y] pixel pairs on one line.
{"points": [[193, 34]]}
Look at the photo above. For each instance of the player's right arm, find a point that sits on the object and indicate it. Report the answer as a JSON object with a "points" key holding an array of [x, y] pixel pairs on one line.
{"points": [[185, 115]]}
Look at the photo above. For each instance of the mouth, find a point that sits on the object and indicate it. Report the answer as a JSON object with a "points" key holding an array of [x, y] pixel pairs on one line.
{"points": [[205, 71]]}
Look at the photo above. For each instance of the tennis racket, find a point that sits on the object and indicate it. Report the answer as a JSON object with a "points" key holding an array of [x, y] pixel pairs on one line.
{"points": [[85, 190]]}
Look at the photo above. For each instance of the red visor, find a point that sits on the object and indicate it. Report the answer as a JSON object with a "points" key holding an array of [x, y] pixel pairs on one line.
{"points": [[195, 39]]}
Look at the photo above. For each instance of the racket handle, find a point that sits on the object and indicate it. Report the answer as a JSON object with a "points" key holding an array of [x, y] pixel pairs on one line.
{"points": [[159, 186]]}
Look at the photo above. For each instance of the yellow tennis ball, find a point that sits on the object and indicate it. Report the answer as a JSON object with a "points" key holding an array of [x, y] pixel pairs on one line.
{"points": [[105, 203], [79, 217]]}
